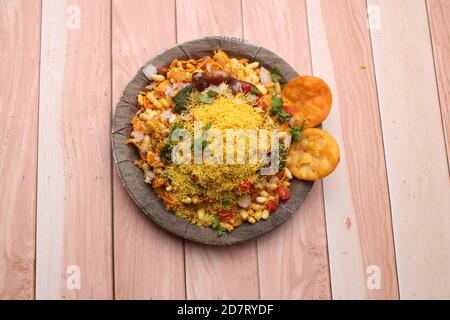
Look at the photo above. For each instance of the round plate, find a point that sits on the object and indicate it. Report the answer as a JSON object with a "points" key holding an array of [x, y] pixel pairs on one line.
{"points": [[125, 155]]}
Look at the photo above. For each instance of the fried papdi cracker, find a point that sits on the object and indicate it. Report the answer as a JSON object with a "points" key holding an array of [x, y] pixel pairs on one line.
{"points": [[310, 99], [314, 156]]}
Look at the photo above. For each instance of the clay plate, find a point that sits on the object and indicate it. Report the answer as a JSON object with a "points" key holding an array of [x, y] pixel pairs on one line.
{"points": [[132, 177]]}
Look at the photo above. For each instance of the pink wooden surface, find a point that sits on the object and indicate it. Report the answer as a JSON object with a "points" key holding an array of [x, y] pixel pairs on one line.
{"points": [[63, 209]]}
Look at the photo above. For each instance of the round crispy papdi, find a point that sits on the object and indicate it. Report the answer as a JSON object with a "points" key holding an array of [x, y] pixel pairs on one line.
{"points": [[314, 156], [310, 99]]}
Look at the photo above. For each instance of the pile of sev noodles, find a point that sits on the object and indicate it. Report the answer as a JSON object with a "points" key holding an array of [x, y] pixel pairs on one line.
{"points": [[209, 184]]}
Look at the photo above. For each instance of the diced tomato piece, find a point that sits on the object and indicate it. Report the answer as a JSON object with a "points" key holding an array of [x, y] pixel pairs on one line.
{"points": [[265, 106], [226, 215], [245, 186], [246, 87], [284, 193], [288, 109], [271, 205]]}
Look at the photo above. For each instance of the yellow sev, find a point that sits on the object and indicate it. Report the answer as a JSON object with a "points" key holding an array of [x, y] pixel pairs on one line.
{"points": [[209, 184]]}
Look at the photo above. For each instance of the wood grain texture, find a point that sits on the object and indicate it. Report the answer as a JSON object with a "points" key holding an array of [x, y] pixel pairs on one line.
{"points": [[415, 148], [438, 13], [205, 266], [356, 195], [74, 226], [293, 261], [149, 262], [19, 88]]}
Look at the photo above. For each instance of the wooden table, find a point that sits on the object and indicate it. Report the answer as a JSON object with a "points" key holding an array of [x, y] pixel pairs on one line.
{"points": [[378, 228]]}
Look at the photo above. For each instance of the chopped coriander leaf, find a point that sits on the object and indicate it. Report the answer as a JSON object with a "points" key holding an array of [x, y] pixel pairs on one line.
{"points": [[296, 131], [203, 98], [216, 223], [180, 100], [276, 75], [282, 156], [212, 94], [226, 201], [272, 91], [221, 233], [276, 105], [283, 115], [255, 91], [208, 126]]}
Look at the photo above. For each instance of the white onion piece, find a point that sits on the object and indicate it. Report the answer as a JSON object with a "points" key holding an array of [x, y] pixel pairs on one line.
{"points": [[208, 68], [137, 135], [265, 76], [185, 116], [151, 86], [167, 115], [181, 85], [149, 70], [252, 97], [243, 201], [287, 140], [148, 177], [292, 121], [170, 91]]}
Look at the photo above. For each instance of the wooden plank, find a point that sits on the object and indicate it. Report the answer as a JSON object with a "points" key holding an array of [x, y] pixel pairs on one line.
{"points": [[19, 85], [356, 195], [438, 13], [293, 261], [415, 148], [149, 262], [74, 230], [206, 266]]}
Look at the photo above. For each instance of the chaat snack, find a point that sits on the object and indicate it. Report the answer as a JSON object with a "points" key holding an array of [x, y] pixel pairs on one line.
{"points": [[221, 138]]}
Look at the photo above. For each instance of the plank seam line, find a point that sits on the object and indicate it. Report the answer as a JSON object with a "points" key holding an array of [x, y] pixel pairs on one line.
{"points": [[384, 150], [112, 167], [330, 288], [184, 240], [37, 155], [258, 275], [437, 83]]}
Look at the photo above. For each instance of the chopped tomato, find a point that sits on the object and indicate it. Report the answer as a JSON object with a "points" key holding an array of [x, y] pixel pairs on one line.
{"points": [[246, 87], [271, 205], [226, 215], [245, 186], [284, 193], [265, 106], [288, 109]]}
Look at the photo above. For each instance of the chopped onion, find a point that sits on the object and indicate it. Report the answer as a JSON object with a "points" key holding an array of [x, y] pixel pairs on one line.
{"points": [[148, 177], [137, 135], [292, 121], [243, 201], [252, 97], [167, 115], [208, 68], [265, 76], [151, 86], [149, 70], [170, 91]]}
